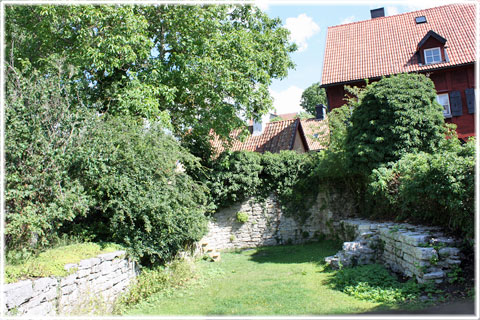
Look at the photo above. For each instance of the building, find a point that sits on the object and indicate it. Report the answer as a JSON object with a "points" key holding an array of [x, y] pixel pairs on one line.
{"points": [[293, 134], [438, 42]]}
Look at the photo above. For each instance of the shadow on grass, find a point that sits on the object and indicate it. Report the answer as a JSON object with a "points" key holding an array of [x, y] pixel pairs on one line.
{"points": [[310, 252]]}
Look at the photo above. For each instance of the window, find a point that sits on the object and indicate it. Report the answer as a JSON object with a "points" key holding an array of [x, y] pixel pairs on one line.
{"points": [[433, 56], [420, 19], [443, 100]]}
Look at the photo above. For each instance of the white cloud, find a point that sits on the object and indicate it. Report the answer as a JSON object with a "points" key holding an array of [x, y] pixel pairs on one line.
{"points": [[348, 20], [419, 5], [301, 28], [288, 100], [262, 4], [392, 11]]}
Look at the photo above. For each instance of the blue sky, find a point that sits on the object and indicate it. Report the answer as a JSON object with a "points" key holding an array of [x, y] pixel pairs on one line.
{"points": [[308, 25]]}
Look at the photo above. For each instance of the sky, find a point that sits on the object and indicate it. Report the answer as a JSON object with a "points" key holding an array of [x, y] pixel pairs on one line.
{"points": [[308, 22]]}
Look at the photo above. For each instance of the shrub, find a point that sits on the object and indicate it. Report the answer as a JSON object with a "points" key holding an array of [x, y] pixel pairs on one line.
{"points": [[293, 177], [395, 116], [235, 176], [42, 123], [242, 217], [428, 188], [140, 198], [374, 283]]}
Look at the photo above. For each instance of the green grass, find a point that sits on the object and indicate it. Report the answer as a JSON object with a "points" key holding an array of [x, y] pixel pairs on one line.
{"points": [[284, 280], [52, 261]]}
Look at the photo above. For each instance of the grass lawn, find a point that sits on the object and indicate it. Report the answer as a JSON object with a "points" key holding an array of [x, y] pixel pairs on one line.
{"points": [[283, 280]]}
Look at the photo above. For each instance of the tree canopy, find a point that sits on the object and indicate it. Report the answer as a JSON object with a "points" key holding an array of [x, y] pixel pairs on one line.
{"points": [[191, 67], [313, 96], [395, 116]]}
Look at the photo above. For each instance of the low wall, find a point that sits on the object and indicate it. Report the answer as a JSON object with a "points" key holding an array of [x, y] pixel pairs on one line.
{"points": [[93, 287], [414, 251], [268, 225]]}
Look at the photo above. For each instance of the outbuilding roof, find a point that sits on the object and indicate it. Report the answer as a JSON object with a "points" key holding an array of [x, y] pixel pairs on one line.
{"points": [[388, 45]]}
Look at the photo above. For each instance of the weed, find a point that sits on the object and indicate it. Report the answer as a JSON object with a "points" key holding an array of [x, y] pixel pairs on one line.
{"points": [[374, 283], [242, 217]]}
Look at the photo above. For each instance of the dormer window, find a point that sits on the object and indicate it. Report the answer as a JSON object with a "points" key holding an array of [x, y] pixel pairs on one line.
{"points": [[431, 49], [433, 55]]}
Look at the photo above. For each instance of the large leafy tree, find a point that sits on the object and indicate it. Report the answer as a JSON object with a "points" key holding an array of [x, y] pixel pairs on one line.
{"points": [[192, 67], [313, 96], [395, 116]]}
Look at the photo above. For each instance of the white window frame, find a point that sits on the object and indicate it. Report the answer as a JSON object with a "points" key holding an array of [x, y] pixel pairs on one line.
{"points": [[448, 113], [433, 55]]}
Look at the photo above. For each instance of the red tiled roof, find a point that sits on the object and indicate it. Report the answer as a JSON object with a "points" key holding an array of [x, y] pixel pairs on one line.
{"points": [[287, 116], [316, 133], [387, 45], [277, 136]]}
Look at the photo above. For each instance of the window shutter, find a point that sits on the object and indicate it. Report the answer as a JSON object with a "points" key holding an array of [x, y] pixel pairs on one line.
{"points": [[455, 103], [470, 94]]}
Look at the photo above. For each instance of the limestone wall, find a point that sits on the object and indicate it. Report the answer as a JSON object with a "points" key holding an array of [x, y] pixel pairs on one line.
{"points": [[268, 225], [414, 251], [92, 287]]}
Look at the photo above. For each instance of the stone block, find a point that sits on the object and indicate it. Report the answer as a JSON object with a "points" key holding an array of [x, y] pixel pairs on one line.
{"points": [[425, 253], [81, 273], [448, 251], [68, 289], [111, 255], [43, 284], [42, 309], [434, 275], [17, 293], [68, 280]]}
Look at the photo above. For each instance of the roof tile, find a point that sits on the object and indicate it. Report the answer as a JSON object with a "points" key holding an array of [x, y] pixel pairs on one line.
{"points": [[387, 45]]}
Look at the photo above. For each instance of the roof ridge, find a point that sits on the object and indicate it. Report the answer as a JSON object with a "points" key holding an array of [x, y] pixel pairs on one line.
{"points": [[405, 13]]}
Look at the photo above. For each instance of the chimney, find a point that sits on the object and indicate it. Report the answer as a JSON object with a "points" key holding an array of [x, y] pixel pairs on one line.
{"points": [[377, 13], [320, 111]]}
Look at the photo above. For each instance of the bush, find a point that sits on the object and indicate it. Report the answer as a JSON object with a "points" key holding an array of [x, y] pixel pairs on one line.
{"points": [[374, 283], [428, 188], [395, 116], [235, 176], [42, 123], [293, 177], [140, 198]]}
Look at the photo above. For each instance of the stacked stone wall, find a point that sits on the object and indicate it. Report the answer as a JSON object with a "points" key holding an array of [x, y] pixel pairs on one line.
{"points": [[269, 225], [414, 251], [92, 287]]}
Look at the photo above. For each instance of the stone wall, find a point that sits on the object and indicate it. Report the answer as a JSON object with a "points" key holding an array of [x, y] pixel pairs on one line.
{"points": [[268, 225], [414, 251], [92, 287]]}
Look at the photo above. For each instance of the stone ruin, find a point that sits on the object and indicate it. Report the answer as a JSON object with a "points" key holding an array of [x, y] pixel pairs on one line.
{"points": [[420, 251]]}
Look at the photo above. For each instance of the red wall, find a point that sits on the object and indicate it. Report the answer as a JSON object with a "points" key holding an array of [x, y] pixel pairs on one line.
{"points": [[453, 79]]}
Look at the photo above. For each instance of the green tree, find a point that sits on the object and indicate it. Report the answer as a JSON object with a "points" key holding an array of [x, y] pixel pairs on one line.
{"points": [[41, 127], [313, 96], [191, 67], [396, 115]]}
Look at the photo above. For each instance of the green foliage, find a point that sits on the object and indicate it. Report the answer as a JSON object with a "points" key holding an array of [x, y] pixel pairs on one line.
{"points": [[151, 281], [313, 96], [395, 116], [189, 67], [293, 177], [242, 217], [52, 261], [430, 188], [41, 126], [374, 283], [139, 197], [234, 177]]}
